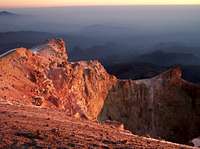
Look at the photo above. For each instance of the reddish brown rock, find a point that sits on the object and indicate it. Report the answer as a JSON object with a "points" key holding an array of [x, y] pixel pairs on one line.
{"points": [[73, 87], [31, 127]]}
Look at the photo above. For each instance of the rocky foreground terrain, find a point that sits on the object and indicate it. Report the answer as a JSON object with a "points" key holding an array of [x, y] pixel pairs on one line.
{"points": [[45, 100], [26, 127]]}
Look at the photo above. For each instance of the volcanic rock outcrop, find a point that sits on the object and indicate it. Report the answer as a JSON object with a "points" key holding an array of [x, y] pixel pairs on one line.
{"points": [[165, 106], [43, 77]]}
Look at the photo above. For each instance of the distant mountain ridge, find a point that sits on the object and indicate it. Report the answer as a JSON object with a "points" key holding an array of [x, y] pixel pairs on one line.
{"points": [[169, 58], [7, 13]]}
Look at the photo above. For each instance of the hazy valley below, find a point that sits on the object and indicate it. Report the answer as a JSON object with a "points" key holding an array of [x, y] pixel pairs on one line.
{"points": [[117, 33]]}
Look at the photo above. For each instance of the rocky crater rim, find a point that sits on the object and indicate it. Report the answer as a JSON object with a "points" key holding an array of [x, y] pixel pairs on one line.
{"points": [[43, 77]]}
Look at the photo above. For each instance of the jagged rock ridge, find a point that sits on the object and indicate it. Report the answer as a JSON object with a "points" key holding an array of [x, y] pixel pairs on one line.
{"points": [[45, 78]]}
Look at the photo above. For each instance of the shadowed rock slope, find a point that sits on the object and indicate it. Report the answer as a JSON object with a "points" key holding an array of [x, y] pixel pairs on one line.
{"points": [[164, 107]]}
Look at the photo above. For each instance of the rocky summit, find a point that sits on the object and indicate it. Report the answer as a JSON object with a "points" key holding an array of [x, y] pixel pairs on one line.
{"points": [[42, 87], [45, 78]]}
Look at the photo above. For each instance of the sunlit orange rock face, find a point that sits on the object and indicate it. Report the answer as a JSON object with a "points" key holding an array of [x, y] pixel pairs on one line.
{"points": [[45, 78], [165, 106]]}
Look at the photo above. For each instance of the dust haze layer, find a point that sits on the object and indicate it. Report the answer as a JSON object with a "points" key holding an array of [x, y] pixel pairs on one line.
{"points": [[145, 25]]}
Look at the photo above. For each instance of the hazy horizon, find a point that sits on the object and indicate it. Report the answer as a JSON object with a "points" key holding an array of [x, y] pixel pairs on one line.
{"points": [[89, 6], [61, 3]]}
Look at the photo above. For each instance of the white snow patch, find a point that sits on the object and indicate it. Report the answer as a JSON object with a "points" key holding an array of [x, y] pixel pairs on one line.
{"points": [[196, 142], [7, 53]]}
